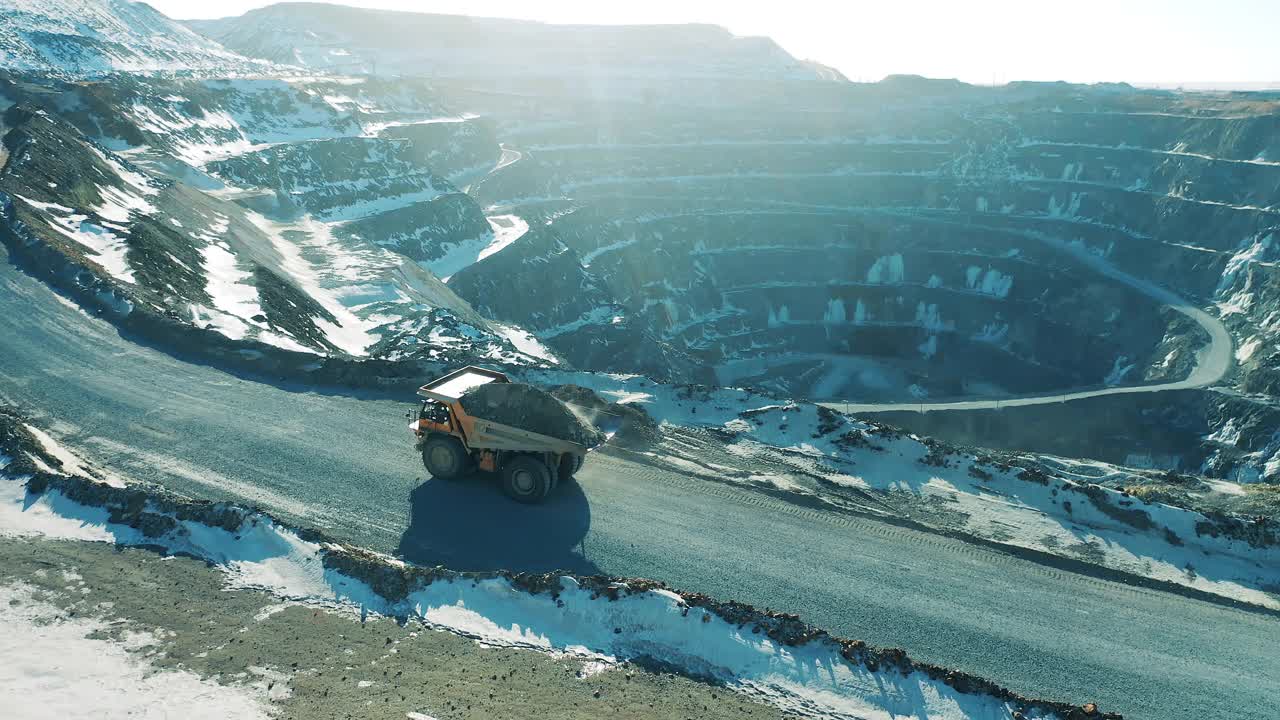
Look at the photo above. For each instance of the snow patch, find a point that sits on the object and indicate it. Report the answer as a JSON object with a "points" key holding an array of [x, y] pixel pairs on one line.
{"points": [[525, 342], [887, 269], [506, 230], [929, 347], [51, 666], [233, 295], [1118, 371], [590, 256], [1248, 348], [108, 250], [835, 313], [992, 282]]}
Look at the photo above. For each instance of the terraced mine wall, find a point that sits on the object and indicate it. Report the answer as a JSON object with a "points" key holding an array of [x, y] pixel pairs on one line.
{"points": [[905, 230]]}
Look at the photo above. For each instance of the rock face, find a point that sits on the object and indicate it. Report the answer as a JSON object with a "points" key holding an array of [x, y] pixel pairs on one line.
{"points": [[425, 231], [91, 38], [526, 407], [454, 147], [336, 178]]}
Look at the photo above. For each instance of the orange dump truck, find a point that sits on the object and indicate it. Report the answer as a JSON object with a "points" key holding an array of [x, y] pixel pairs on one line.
{"points": [[455, 443]]}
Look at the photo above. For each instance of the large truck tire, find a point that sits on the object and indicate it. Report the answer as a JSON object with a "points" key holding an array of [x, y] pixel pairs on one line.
{"points": [[527, 479], [445, 458], [570, 464]]}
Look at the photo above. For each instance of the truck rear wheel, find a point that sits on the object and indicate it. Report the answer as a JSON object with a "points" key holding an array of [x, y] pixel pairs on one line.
{"points": [[570, 464], [445, 458], [527, 479]]}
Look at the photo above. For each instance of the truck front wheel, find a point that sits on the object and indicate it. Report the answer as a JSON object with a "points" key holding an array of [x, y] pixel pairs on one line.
{"points": [[526, 479], [445, 458]]}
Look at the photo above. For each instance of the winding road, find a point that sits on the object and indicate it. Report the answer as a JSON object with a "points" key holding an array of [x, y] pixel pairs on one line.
{"points": [[345, 464], [1213, 361]]}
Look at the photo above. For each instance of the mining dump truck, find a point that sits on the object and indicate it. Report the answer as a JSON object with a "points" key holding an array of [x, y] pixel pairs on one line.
{"points": [[476, 419]]}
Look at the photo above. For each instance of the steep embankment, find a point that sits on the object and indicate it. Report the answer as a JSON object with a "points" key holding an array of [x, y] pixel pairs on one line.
{"points": [[258, 274]]}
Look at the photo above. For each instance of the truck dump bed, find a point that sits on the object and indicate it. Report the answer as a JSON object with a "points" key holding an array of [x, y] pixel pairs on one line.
{"points": [[449, 388], [496, 436], [496, 414]]}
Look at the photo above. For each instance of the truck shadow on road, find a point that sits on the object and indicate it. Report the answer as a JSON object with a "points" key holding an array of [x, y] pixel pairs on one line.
{"points": [[468, 524]]}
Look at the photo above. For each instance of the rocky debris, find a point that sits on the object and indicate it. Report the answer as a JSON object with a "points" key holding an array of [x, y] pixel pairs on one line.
{"points": [[1034, 474], [936, 453], [1174, 357], [525, 406], [1102, 499], [1258, 531], [152, 511], [855, 439], [829, 421], [977, 472], [167, 261], [885, 431], [388, 580]]}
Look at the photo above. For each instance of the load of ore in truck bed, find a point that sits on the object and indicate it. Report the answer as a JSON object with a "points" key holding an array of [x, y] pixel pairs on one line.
{"points": [[528, 408], [625, 424]]}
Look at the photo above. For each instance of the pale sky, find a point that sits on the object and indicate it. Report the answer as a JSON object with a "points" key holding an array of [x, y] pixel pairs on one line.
{"points": [[981, 41]]}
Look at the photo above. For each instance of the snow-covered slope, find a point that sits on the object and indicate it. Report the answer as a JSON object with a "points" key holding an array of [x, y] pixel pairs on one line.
{"points": [[165, 255], [89, 38]]}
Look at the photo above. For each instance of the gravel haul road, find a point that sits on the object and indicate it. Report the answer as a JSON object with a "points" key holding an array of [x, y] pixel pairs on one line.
{"points": [[346, 464]]}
